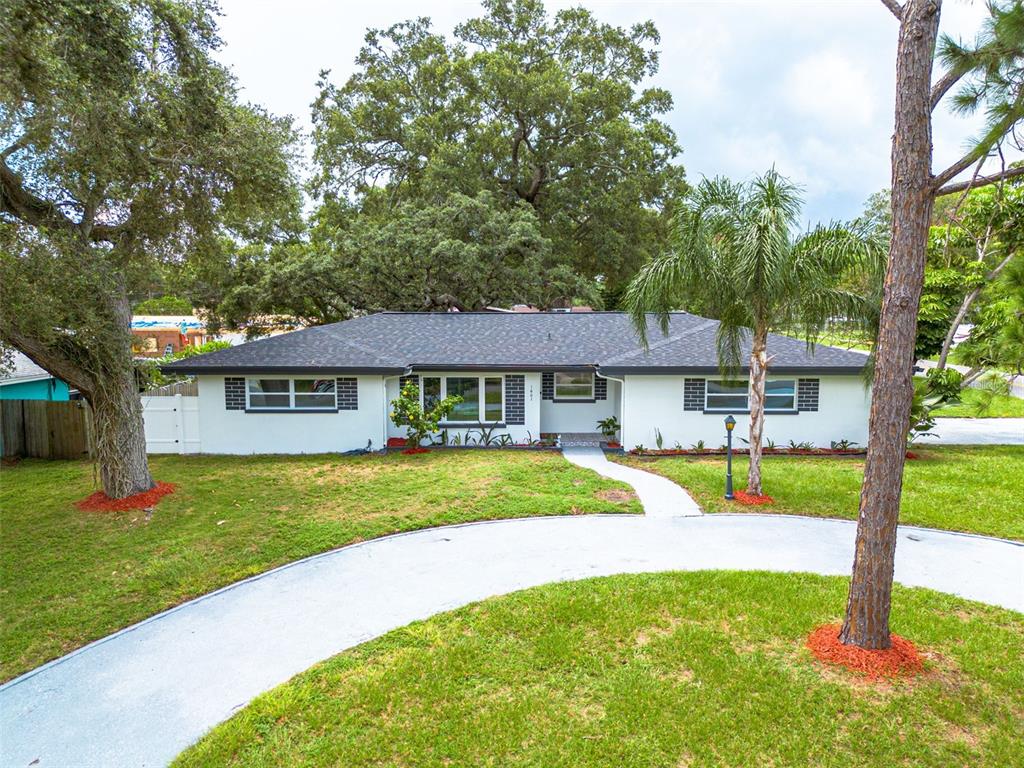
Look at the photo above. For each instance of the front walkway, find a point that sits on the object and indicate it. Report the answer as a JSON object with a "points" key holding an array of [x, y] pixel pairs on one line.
{"points": [[140, 696], [977, 432], [659, 495]]}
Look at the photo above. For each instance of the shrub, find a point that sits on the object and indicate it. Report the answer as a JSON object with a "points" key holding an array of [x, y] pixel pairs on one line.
{"points": [[420, 423]]}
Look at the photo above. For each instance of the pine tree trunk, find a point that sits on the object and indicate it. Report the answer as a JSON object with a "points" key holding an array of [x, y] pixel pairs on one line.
{"points": [[758, 371], [867, 612]]}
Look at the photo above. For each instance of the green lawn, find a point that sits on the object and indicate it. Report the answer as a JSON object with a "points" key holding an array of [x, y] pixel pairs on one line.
{"points": [[68, 577], [650, 671], [970, 399], [968, 488]]}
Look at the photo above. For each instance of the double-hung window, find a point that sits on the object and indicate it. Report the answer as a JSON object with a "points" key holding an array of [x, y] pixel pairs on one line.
{"points": [[271, 394], [482, 397], [726, 396], [779, 395], [574, 386]]}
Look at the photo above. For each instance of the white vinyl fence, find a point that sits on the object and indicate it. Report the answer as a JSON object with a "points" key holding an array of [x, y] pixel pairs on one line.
{"points": [[172, 423]]}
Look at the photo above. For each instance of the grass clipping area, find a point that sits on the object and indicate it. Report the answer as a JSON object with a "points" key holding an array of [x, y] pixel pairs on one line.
{"points": [[69, 576], [663, 670]]}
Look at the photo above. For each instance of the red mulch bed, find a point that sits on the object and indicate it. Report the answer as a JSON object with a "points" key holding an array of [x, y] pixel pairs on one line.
{"points": [[899, 660], [752, 500], [410, 451], [100, 502], [397, 442]]}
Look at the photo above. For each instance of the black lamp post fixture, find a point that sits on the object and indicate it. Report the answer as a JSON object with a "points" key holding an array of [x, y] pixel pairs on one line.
{"points": [[730, 424]]}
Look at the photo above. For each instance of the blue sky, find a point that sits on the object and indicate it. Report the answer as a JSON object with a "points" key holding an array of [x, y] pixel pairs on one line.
{"points": [[806, 86]]}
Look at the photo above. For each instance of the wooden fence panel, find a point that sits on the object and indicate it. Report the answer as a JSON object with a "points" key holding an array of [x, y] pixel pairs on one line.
{"points": [[47, 430], [12, 428]]}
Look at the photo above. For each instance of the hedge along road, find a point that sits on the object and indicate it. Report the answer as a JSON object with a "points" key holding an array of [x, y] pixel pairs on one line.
{"points": [[140, 696]]}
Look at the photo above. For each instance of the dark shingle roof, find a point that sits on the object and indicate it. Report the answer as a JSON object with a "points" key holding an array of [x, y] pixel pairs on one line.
{"points": [[391, 342]]}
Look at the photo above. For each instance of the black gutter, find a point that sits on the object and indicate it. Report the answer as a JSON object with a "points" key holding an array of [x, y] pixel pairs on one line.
{"points": [[705, 370], [201, 370]]}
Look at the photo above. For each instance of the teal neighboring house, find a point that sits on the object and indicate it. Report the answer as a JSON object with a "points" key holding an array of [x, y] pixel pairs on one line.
{"points": [[27, 381]]}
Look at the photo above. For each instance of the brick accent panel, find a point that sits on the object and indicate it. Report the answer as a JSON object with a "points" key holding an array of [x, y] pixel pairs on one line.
{"points": [[403, 380], [234, 393], [547, 385], [347, 394], [600, 388], [693, 394], [515, 399], [807, 394]]}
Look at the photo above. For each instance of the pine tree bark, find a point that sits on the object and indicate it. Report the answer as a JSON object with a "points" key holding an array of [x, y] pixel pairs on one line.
{"points": [[758, 372], [866, 623]]}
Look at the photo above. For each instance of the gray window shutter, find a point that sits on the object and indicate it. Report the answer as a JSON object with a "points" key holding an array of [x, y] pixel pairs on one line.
{"points": [[347, 394], [234, 393], [693, 394], [807, 394], [547, 385], [600, 388], [515, 399]]}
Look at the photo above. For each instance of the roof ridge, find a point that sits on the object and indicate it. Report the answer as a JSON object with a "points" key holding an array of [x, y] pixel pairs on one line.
{"points": [[667, 340]]}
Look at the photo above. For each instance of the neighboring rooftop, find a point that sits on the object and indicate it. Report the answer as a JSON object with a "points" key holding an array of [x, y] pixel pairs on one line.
{"points": [[23, 370], [392, 342]]}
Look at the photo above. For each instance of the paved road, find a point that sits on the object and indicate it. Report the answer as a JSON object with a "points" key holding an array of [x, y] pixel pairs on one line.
{"points": [[977, 432], [140, 696]]}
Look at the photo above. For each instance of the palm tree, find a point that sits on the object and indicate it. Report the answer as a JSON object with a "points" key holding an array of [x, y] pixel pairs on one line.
{"points": [[735, 257]]}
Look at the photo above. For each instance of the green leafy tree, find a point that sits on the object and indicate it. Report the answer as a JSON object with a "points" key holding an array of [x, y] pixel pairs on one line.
{"points": [[737, 255], [123, 148], [545, 110], [420, 422], [164, 305], [460, 252]]}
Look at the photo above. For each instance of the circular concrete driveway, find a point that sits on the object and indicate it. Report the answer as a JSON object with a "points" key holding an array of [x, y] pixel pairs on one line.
{"points": [[140, 696]]}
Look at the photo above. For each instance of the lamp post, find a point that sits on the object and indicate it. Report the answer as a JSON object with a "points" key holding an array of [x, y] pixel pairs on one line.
{"points": [[730, 424]]}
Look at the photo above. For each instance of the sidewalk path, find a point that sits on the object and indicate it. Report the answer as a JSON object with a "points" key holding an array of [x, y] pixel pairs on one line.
{"points": [[140, 696], [659, 495], [977, 432]]}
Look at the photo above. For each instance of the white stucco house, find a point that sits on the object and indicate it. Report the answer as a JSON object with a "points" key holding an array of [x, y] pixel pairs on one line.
{"points": [[329, 388]]}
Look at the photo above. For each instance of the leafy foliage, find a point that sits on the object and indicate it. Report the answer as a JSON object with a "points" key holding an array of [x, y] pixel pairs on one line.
{"points": [[461, 252], [543, 109], [123, 148], [164, 305], [420, 422]]}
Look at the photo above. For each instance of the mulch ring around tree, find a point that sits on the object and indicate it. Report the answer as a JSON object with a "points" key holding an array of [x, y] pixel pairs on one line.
{"points": [[752, 499], [100, 502], [901, 659]]}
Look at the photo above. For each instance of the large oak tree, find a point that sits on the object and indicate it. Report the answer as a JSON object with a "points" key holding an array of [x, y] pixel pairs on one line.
{"points": [[123, 146], [543, 109], [991, 74]]}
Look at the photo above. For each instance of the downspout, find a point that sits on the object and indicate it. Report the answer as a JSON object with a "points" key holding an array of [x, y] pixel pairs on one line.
{"points": [[384, 390], [622, 404]]}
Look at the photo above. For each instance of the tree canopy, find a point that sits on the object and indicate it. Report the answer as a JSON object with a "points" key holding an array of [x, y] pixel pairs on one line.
{"points": [[123, 147], [529, 107]]}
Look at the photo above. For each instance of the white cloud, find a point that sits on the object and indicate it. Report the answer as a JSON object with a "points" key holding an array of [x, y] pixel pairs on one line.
{"points": [[829, 87]]}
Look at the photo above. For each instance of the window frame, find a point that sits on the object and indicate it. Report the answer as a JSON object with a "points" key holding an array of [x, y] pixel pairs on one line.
{"points": [[708, 408], [481, 409], [573, 398], [291, 407]]}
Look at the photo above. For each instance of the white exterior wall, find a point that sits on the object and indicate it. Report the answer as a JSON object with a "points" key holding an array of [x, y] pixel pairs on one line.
{"points": [[568, 416], [657, 402], [237, 432], [518, 433]]}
